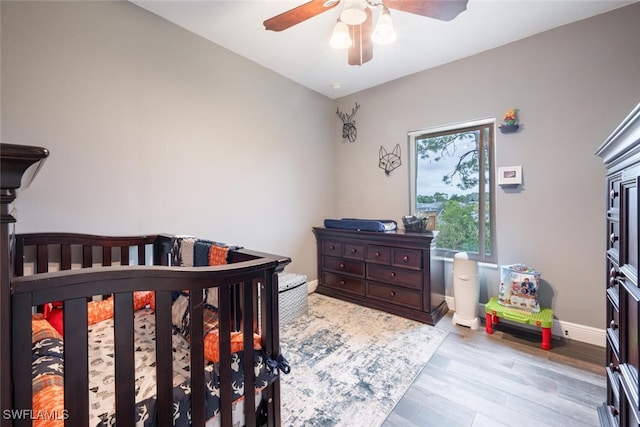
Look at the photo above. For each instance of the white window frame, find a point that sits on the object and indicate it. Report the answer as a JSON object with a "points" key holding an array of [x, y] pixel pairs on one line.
{"points": [[413, 165]]}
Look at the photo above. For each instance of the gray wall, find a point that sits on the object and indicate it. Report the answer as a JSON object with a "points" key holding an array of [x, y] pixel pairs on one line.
{"points": [[154, 129], [573, 85]]}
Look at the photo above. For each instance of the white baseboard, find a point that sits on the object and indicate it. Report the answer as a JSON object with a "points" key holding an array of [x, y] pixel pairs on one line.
{"points": [[311, 286], [582, 333], [573, 331]]}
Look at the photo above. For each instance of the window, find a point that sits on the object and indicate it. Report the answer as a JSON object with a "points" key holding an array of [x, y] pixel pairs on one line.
{"points": [[451, 174]]}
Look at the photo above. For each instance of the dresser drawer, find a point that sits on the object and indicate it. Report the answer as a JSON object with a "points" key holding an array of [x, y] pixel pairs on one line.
{"points": [[614, 192], [378, 254], [613, 239], [343, 283], [615, 275], [408, 258], [352, 250], [395, 295], [613, 372], [331, 248], [395, 276], [613, 327], [343, 265]]}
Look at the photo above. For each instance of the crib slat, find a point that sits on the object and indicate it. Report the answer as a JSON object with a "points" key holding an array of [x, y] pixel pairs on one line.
{"points": [[236, 308], [124, 352], [271, 338], [21, 354], [164, 356], [76, 376], [257, 283], [65, 257], [124, 255], [224, 325], [142, 255], [87, 256], [18, 262], [106, 256], [196, 343], [248, 299], [42, 259]]}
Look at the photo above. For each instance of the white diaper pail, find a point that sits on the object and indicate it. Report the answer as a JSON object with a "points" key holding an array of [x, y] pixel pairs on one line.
{"points": [[466, 291]]}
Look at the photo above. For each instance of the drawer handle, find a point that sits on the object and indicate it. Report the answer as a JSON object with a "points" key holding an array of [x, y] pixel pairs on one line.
{"points": [[614, 411], [341, 265], [392, 294], [393, 274], [332, 248], [613, 194], [378, 254], [405, 258], [613, 238], [354, 250], [613, 324], [342, 282], [613, 367]]}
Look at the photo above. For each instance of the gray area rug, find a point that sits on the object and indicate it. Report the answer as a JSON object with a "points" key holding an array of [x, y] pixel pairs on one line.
{"points": [[350, 365]]}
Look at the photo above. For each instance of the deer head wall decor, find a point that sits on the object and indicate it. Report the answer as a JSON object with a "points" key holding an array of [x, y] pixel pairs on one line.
{"points": [[389, 161], [349, 130]]}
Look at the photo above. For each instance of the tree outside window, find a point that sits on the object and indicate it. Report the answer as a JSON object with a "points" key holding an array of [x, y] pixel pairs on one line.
{"points": [[451, 174]]}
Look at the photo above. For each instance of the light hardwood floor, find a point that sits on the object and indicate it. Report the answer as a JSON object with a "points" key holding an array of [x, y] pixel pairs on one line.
{"points": [[504, 379]]}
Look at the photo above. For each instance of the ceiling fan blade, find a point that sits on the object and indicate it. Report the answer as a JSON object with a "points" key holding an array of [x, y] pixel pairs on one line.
{"points": [[299, 14], [361, 50], [444, 10]]}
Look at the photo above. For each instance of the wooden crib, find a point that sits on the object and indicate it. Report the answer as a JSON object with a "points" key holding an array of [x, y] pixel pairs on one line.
{"points": [[90, 266]]}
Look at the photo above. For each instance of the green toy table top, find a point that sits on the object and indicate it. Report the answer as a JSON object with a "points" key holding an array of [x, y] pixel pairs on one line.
{"points": [[544, 318]]}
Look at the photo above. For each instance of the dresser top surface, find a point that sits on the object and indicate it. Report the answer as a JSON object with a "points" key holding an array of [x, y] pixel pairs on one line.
{"points": [[398, 235]]}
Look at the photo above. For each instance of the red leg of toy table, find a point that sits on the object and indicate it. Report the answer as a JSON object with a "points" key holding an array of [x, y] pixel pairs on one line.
{"points": [[488, 323], [546, 338]]}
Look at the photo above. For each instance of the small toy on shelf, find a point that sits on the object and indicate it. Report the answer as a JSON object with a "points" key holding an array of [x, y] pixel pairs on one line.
{"points": [[510, 120]]}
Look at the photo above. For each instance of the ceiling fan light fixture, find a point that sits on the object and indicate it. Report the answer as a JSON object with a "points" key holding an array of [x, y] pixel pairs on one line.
{"points": [[384, 32], [340, 38], [353, 12]]}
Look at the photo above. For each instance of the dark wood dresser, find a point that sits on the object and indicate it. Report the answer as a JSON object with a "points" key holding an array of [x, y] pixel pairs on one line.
{"points": [[392, 271], [621, 155]]}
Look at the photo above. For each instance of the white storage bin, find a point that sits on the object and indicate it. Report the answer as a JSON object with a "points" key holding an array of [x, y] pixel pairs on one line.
{"points": [[292, 296]]}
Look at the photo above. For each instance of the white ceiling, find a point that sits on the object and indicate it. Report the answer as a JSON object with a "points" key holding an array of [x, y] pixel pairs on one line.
{"points": [[302, 53]]}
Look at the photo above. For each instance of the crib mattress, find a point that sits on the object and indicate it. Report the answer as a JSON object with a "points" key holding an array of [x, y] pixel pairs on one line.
{"points": [[48, 353], [101, 362]]}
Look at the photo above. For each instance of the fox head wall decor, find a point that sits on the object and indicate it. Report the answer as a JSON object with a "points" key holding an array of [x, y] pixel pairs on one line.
{"points": [[389, 161]]}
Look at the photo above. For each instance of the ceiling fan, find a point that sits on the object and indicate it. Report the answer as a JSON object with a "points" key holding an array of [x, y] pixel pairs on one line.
{"points": [[354, 28]]}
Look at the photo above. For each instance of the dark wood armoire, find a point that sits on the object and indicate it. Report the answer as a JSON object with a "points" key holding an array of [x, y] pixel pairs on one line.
{"points": [[621, 155]]}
